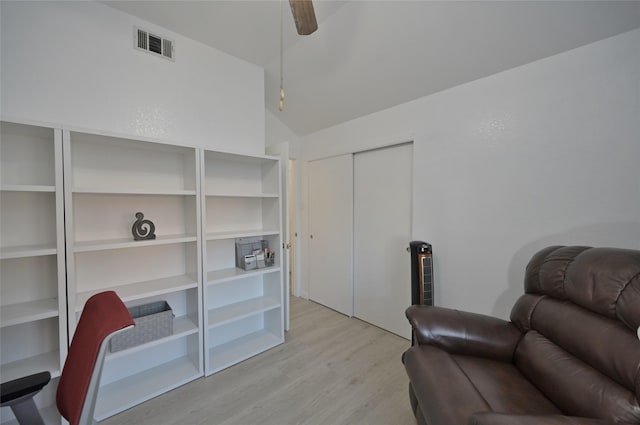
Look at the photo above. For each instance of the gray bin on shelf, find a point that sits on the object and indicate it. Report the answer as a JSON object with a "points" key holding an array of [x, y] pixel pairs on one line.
{"points": [[153, 321], [244, 254]]}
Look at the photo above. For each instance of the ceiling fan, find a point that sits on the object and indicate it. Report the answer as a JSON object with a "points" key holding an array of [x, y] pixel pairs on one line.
{"points": [[304, 16]]}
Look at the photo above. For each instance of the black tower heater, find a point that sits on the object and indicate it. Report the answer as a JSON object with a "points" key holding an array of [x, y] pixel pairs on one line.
{"points": [[421, 273]]}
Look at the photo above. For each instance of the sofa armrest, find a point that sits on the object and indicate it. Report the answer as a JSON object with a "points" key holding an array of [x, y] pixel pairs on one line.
{"points": [[459, 332], [506, 419]]}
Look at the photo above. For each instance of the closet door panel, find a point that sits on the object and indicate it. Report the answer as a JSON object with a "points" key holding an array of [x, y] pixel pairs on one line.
{"points": [[382, 229], [331, 233]]}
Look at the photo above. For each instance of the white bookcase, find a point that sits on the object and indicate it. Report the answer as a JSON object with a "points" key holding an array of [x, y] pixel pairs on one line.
{"points": [[243, 309], [65, 239], [107, 181], [33, 319]]}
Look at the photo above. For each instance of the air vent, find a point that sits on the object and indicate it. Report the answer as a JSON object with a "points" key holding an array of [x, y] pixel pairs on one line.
{"points": [[152, 43]]}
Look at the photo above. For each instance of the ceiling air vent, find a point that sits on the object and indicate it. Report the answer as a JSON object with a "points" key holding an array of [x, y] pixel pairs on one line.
{"points": [[151, 43]]}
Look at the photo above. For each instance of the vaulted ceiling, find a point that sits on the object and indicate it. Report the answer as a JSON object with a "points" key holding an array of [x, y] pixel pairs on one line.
{"points": [[370, 55]]}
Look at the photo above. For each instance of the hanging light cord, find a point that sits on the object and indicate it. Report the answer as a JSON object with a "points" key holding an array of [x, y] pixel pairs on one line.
{"points": [[281, 102]]}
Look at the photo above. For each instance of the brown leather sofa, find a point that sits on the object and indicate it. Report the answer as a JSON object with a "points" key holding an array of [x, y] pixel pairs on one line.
{"points": [[569, 355]]}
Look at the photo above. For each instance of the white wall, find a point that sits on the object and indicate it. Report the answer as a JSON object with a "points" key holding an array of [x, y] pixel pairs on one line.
{"points": [[277, 132], [546, 153], [73, 64]]}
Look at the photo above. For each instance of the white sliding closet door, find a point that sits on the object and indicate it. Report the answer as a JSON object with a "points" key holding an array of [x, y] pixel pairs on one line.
{"points": [[382, 229], [331, 232]]}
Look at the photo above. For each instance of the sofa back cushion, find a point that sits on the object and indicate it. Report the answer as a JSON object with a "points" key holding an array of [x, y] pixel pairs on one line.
{"points": [[580, 313]]}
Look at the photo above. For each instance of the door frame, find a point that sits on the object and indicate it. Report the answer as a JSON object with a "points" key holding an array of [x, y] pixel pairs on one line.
{"points": [[282, 150]]}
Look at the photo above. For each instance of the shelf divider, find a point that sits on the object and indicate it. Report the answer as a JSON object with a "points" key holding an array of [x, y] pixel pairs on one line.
{"points": [[226, 275], [15, 314], [144, 289], [9, 252], [132, 191], [237, 350], [240, 195], [27, 188], [182, 326], [101, 245], [137, 388], [249, 233], [42, 362], [236, 311]]}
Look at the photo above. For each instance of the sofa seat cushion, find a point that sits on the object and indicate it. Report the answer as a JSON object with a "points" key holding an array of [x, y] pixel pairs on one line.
{"points": [[504, 388], [451, 388]]}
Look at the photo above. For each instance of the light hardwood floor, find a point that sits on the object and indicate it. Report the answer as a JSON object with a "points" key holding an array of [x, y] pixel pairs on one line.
{"points": [[331, 370]]}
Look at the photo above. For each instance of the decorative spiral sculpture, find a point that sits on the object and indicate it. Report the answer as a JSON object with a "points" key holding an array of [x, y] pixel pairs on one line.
{"points": [[143, 229]]}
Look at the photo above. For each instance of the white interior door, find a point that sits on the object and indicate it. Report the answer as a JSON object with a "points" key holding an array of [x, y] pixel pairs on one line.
{"points": [[282, 150], [331, 232], [291, 229], [382, 228]]}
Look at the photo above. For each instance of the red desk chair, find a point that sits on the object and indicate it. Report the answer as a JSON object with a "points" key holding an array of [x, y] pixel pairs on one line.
{"points": [[103, 316]]}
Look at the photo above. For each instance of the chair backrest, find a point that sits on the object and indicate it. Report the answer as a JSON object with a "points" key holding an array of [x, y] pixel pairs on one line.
{"points": [[579, 316], [103, 315]]}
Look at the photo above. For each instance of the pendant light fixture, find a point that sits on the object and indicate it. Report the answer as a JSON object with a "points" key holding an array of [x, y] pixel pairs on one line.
{"points": [[305, 19], [281, 102]]}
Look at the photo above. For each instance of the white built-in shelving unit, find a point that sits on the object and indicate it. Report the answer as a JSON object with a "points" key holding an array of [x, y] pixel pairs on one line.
{"points": [[107, 181], [243, 309], [33, 320], [69, 199]]}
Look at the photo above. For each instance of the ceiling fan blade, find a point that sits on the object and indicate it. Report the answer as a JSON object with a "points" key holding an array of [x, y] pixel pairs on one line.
{"points": [[304, 16]]}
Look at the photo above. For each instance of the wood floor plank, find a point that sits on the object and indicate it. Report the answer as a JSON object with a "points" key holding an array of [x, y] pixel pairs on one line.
{"points": [[331, 370]]}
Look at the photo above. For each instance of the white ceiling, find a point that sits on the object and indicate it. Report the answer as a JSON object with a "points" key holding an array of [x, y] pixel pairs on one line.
{"points": [[370, 55]]}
